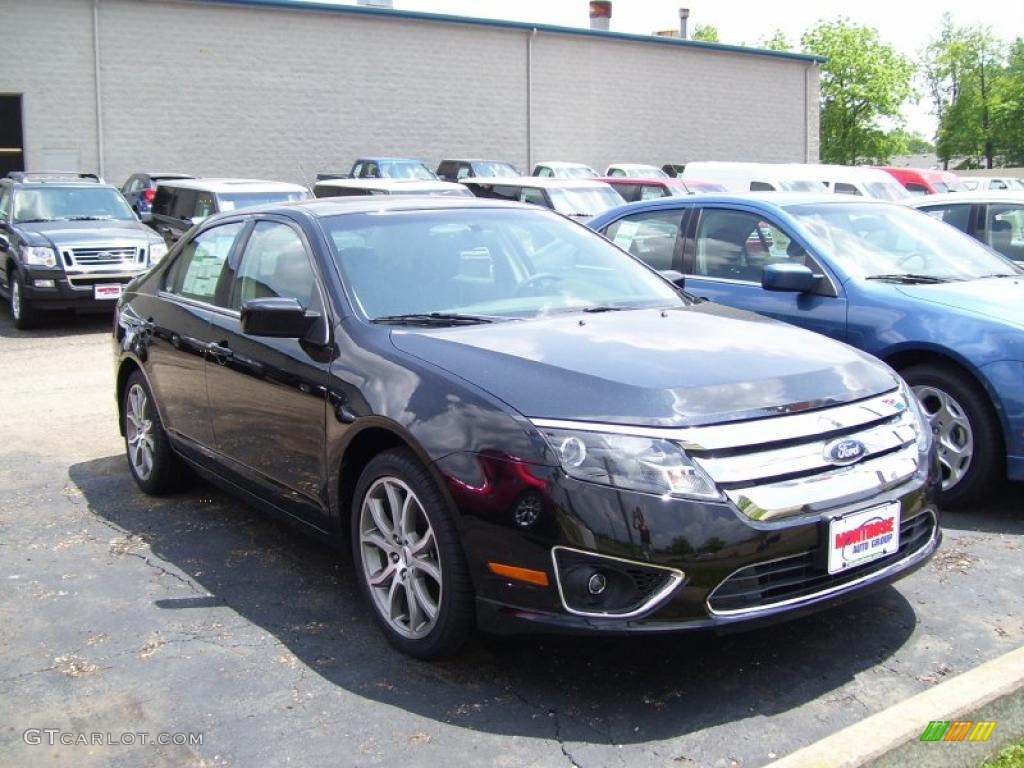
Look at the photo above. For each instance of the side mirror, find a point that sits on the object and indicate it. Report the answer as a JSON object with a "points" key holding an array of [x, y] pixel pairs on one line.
{"points": [[795, 278], [674, 277], [277, 318]]}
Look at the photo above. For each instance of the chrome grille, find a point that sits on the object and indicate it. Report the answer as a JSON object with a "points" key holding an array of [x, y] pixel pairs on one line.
{"points": [[778, 467], [103, 256]]}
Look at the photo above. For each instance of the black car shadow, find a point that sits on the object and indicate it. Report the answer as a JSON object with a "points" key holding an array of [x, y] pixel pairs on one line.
{"points": [[591, 690], [1003, 513], [56, 324]]}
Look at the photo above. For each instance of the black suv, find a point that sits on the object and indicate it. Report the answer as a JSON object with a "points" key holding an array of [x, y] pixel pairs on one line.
{"points": [[68, 241], [511, 421]]}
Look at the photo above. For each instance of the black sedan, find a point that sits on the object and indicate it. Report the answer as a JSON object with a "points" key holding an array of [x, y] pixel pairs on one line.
{"points": [[514, 423]]}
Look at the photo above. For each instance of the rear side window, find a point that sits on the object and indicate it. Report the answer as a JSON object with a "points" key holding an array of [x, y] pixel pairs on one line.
{"points": [[163, 200], [199, 268], [652, 237], [5, 203], [761, 186], [957, 215], [842, 188], [917, 189], [184, 205]]}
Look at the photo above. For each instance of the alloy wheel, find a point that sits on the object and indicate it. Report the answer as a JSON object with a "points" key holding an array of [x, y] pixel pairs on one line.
{"points": [[952, 431], [139, 432], [400, 558]]}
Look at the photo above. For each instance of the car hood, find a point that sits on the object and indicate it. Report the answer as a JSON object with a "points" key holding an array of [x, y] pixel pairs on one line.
{"points": [[696, 365], [998, 298], [68, 233]]}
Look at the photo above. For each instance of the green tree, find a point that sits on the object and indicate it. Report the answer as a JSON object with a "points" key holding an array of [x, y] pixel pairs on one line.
{"points": [[777, 41], [864, 85], [911, 142], [964, 68], [707, 33], [1008, 112]]}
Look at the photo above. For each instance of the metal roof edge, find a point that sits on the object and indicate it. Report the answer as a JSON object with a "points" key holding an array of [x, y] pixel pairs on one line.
{"points": [[508, 24]]}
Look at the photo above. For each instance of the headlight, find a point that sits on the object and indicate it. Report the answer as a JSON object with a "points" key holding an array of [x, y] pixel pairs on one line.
{"points": [[156, 252], [38, 256], [924, 431], [645, 464]]}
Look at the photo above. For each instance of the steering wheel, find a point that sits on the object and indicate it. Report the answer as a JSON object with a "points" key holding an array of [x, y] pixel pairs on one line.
{"points": [[536, 279], [904, 260]]}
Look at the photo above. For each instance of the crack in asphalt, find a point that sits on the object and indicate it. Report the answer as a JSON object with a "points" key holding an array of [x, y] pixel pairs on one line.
{"points": [[187, 582], [557, 716]]}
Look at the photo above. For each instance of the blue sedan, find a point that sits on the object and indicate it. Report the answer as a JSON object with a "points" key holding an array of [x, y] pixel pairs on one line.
{"points": [[937, 306]]}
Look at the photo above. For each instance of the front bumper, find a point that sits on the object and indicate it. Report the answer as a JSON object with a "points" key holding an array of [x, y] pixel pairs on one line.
{"points": [[707, 542], [72, 290]]}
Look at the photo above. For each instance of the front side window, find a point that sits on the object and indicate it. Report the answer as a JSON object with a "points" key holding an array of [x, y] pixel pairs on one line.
{"points": [[652, 237], [533, 196], [997, 184], [652, 191], [403, 169], [736, 245], [81, 203], [885, 241], [842, 188], [1006, 229], [584, 201], [545, 172], [198, 269], [761, 186], [494, 169], [5, 203], [275, 264], [920, 189], [498, 263]]}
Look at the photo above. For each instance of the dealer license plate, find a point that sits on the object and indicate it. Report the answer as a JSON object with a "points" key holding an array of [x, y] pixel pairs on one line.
{"points": [[108, 291], [863, 536]]}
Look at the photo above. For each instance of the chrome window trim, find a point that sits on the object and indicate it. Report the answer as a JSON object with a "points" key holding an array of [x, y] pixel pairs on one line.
{"points": [[755, 432], [676, 578], [814, 596]]}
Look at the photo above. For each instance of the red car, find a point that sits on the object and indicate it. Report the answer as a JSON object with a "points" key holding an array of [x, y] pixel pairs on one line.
{"points": [[633, 189], [920, 181]]}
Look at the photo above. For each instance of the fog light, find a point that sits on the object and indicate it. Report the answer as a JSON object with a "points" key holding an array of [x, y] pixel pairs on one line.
{"points": [[596, 583], [43, 283]]}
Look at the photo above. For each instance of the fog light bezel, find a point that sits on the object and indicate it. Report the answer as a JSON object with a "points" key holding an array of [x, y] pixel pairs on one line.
{"points": [[44, 283], [675, 578]]}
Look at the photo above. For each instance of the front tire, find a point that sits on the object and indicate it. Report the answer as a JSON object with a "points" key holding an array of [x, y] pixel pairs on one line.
{"points": [[152, 461], [966, 430], [408, 559], [22, 312]]}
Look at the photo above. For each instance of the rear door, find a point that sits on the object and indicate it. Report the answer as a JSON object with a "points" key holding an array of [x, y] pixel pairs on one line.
{"points": [[726, 252], [268, 396]]}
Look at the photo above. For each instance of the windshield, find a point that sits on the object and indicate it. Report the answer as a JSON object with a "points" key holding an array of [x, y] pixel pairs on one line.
{"points": [[404, 169], [885, 190], [52, 203], [801, 186], [584, 201], [948, 186], [703, 187], [575, 172], [877, 239], [645, 172], [491, 170], [498, 263], [232, 201]]}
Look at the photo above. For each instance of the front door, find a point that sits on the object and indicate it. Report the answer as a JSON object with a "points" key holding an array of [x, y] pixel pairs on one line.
{"points": [[727, 255], [268, 396]]}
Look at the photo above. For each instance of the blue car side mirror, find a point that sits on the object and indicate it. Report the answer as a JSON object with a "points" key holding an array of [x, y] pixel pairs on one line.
{"points": [[795, 278]]}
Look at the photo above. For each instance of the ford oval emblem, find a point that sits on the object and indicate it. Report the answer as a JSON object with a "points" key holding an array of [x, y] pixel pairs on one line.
{"points": [[845, 451]]}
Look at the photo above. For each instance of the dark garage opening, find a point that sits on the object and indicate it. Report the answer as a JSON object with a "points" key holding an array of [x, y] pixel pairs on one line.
{"points": [[12, 144]]}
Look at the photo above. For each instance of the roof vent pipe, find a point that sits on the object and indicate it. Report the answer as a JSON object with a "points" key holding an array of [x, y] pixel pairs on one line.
{"points": [[684, 16], [600, 14]]}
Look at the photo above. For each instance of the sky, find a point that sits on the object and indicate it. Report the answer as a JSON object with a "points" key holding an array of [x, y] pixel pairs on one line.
{"points": [[905, 24]]}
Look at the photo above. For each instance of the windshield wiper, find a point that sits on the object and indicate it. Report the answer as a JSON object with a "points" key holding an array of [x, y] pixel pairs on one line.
{"points": [[605, 308], [34, 221], [90, 218], [999, 274], [435, 318], [910, 277]]}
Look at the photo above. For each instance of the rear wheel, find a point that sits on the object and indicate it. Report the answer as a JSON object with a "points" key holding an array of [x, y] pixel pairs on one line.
{"points": [[409, 562], [22, 312], [152, 461], [966, 432]]}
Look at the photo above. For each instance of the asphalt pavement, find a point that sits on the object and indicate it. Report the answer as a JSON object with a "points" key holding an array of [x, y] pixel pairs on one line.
{"points": [[124, 617]]}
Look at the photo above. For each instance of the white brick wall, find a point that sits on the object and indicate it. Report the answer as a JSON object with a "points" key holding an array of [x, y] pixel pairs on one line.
{"points": [[280, 93]]}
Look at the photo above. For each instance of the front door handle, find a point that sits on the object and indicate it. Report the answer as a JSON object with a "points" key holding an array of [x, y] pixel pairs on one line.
{"points": [[220, 352]]}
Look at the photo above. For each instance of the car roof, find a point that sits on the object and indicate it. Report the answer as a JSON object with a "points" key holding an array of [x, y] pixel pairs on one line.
{"points": [[766, 201], [632, 165], [334, 206], [384, 158], [672, 180], [389, 184], [977, 196], [60, 183], [474, 160], [561, 164], [235, 185], [163, 175], [543, 182]]}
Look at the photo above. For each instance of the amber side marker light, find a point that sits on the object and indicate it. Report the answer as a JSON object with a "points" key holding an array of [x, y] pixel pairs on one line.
{"points": [[540, 578]]}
